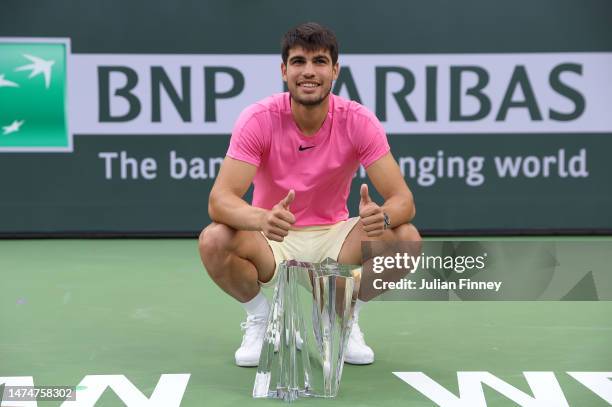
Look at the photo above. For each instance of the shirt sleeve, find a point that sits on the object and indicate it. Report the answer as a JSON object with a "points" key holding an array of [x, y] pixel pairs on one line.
{"points": [[246, 143], [370, 138]]}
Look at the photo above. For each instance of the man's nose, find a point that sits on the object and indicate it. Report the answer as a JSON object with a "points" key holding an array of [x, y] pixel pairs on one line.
{"points": [[308, 69]]}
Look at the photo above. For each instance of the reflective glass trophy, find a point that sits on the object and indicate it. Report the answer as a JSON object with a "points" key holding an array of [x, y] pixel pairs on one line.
{"points": [[308, 328]]}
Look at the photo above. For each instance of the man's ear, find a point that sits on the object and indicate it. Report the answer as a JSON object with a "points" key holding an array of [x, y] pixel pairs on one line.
{"points": [[336, 70], [284, 71]]}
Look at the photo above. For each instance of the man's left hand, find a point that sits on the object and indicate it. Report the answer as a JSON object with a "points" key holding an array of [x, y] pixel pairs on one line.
{"points": [[372, 215]]}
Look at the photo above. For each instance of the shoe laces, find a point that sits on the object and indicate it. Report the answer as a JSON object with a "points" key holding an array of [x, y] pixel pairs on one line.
{"points": [[253, 327], [356, 333]]}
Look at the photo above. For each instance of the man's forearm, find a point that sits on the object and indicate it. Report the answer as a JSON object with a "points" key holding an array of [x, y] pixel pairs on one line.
{"points": [[400, 209], [235, 212]]}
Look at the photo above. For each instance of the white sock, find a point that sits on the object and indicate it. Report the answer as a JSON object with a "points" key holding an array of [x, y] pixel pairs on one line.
{"points": [[257, 306], [358, 305]]}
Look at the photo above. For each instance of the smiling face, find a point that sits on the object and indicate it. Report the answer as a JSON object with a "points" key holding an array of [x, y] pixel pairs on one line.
{"points": [[309, 75]]}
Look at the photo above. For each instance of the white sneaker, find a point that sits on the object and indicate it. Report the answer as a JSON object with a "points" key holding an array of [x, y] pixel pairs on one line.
{"points": [[249, 351], [299, 342], [357, 351]]}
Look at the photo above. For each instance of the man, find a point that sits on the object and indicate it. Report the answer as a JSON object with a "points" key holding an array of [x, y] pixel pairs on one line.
{"points": [[300, 150]]}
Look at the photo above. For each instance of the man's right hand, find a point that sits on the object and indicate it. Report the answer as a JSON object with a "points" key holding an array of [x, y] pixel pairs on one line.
{"points": [[278, 220]]}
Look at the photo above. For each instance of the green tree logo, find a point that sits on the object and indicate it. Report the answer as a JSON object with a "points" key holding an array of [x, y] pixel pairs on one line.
{"points": [[33, 95]]}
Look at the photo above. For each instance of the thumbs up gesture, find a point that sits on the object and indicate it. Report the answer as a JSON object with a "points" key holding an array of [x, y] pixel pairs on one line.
{"points": [[372, 215], [278, 220]]}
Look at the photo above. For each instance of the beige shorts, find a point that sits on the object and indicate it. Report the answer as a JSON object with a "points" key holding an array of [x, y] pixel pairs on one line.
{"points": [[311, 243]]}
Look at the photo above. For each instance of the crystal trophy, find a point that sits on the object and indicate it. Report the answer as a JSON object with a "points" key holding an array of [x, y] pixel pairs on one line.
{"points": [[307, 331]]}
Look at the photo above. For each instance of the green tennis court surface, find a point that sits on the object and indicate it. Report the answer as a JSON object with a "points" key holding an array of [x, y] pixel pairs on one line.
{"points": [[143, 308]]}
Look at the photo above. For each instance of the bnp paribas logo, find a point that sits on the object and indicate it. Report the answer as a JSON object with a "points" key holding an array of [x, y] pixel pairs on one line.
{"points": [[34, 95]]}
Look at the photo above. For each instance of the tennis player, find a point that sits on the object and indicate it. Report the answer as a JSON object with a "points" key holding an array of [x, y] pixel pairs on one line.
{"points": [[301, 150]]}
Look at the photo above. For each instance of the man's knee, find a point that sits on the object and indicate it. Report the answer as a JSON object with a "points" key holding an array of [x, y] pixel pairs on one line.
{"points": [[407, 232], [215, 241], [409, 239]]}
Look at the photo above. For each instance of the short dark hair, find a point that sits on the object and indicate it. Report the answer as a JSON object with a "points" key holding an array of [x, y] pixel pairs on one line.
{"points": [[311, 37]]}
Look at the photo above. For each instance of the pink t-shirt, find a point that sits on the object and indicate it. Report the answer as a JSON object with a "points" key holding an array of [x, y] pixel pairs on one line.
{"points": [[319, 167]]}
